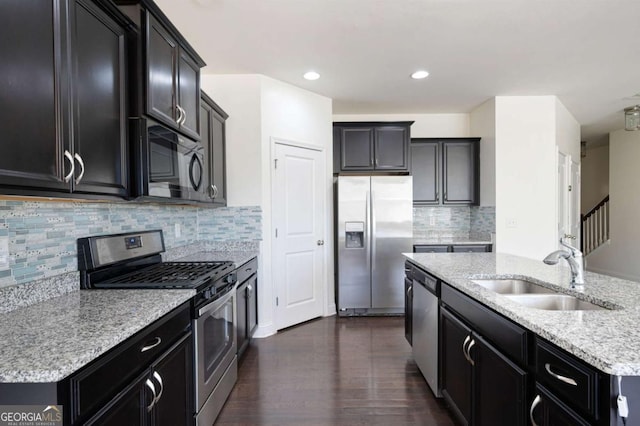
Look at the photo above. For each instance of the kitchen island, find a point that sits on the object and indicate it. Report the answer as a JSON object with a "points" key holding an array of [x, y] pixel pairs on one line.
{"points": [[601, 344]]}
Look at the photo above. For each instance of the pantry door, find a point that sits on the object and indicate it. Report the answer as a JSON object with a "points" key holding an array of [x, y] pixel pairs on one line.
{"points": [[299, 217]]}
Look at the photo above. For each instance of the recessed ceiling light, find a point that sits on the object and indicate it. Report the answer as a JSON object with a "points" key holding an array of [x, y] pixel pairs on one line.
{"points": [[418, 75], [311, 75]]}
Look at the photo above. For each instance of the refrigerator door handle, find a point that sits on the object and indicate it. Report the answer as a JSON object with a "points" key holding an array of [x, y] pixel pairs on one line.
{"points": [[367, 228], [373, 230]]}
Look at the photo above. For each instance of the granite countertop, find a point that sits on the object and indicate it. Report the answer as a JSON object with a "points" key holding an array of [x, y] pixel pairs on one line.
{"points": [[238, 257], [606, 339], [449, 240], [50, 340]]}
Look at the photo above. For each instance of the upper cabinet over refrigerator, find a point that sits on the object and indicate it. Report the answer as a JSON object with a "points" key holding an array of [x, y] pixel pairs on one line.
{"points": [[375, 226]]}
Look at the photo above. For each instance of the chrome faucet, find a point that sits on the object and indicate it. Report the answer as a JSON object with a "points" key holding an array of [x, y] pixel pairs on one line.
{"points": [[574, 257]]}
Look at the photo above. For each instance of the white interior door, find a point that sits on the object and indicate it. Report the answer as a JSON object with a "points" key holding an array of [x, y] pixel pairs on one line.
{"points": [[574, 202], [563, 229], [299, 216]]}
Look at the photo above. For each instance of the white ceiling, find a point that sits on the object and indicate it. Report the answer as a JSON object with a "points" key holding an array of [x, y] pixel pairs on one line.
{"points": [[587, 52]]}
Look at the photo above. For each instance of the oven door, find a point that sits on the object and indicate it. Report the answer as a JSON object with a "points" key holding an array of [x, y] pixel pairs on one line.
{"points": [[176, 164], [215, 342]]}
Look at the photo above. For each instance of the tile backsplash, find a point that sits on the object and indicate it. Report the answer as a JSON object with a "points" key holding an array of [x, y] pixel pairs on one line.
{"points": [[463, 221], [42, 235]]}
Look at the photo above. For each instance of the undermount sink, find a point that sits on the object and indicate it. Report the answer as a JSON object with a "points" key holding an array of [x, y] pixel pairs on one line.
{"points": [[535, 296], [513, 286], [554, 302]]}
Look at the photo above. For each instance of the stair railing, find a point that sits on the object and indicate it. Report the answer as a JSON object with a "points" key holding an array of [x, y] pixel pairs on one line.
{"points": [[595, 226]]}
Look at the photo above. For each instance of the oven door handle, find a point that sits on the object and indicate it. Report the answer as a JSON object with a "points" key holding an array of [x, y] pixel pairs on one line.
{"points": [[215, 304]]}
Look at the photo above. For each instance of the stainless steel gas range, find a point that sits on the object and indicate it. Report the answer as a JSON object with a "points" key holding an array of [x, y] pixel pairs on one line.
{"points": [[133, 261]]}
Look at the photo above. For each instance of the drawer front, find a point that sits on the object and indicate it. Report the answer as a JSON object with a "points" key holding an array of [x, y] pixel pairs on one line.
{"points": [[510, 338], [568, 377], [467, 248], [248, 269], [98, 382], [430, 249]]}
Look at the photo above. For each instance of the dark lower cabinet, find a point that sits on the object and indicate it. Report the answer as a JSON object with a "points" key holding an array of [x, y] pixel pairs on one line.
{"points": [[500, 387], [247, 304], [547, 410], [408, 310], [456, 368], [160, 396], [481, 385]]}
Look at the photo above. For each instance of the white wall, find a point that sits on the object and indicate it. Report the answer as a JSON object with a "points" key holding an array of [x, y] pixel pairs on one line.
{"points": [[482, 123], [260, 109], [239, 96], [425, 126], [567, 132], [526, 150], [595, 177], [293, 114], [620, 257]]}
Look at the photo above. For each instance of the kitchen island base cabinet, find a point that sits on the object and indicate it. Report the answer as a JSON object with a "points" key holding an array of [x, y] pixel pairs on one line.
{"points": [[481, 385]]}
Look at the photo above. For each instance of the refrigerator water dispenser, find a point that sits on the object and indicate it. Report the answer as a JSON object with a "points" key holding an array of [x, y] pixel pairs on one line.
{"points": [[354, 235]]}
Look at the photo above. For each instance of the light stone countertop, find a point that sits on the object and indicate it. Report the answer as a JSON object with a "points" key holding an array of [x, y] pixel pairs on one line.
{"points": [[606, 339], [238, 257], [48, 341], [448, 241]]}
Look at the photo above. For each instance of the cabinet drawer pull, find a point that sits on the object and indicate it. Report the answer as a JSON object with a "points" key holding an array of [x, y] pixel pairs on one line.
{"points": [[156, 342], [159, 379], [564, 379], [534, 404], [69, 157], [473, 342], [149, 384]]}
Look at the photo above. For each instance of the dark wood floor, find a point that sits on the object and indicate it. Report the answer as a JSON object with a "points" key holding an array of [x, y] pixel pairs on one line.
{"points": [[333, 371]]}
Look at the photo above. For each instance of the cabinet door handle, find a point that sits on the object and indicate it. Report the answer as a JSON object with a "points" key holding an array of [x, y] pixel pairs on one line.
{"points": [[179, 119], [534, 404], [249, 289], [156, 375], [464, 347], [473, 342], [156, 342], [183, 115], [69, 157], [445, 196], [564, 379], [215, 191], [79, 159], [437, 196], [149, 384], [409, 290]]}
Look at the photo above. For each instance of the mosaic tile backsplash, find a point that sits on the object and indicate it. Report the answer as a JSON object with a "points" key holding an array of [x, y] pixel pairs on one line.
{"points": [[453, 222], [42, 235]]}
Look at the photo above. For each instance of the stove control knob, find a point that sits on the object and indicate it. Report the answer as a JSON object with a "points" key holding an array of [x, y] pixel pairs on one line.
{"points": [[231, 278]]}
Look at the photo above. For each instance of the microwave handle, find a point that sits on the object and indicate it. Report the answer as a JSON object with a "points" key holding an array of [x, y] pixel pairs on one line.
{"points": [[194, 160]]}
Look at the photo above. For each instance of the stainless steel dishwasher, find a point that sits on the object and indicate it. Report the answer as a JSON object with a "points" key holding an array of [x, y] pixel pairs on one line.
{"points": [[426, 294]]}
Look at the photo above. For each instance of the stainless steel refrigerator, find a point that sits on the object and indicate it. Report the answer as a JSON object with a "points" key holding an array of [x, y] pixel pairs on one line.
{"points": [[374, 226]]}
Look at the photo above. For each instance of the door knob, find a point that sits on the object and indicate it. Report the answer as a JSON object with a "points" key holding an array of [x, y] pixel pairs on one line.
{"points": [[320, 242]]}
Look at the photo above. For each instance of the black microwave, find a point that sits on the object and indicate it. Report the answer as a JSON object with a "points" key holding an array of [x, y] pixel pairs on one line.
{"points": [[170, 166]]}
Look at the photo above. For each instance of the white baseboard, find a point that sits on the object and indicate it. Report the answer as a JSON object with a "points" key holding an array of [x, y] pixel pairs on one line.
{"points": [[331, 311], [265, 331]]}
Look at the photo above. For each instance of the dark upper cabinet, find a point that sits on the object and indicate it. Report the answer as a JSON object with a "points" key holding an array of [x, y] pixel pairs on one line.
{"points": [[65, 69], [172, 80], [100, 120], [375, 146], [212, 129], [425, 168], [445, 171]]}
